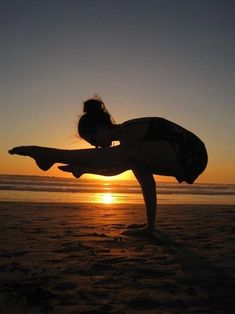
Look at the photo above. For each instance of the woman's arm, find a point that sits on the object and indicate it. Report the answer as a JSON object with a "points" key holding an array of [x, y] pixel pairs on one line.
{"points": [[144, 177], [148, 186]]}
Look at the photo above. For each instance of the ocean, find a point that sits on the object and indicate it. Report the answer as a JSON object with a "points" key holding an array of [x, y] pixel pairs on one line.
{"points": [[17, 188]]}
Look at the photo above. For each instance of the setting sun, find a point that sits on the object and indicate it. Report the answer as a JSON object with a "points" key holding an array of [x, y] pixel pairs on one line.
{"points": [[107, 198]]}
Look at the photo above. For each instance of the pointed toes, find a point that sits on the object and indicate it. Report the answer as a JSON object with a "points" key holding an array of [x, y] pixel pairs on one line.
{"points": [[15, 150], [20, 150]]}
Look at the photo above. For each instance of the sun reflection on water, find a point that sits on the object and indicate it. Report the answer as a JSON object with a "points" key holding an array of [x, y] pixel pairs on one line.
{"points": [[107, 198]]}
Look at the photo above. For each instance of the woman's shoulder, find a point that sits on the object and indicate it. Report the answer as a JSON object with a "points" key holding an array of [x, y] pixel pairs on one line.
{"points": [[135, 129]]}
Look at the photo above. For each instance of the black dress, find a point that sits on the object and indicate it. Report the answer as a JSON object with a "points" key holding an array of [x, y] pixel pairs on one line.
{"points": [[190, 150]]}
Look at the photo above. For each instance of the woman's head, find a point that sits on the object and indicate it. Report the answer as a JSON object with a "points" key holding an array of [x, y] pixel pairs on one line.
{"points": [[95, 117]]}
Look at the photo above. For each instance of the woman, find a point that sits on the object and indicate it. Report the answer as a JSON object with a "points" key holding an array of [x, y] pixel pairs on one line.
{"points": [[148, 146]]}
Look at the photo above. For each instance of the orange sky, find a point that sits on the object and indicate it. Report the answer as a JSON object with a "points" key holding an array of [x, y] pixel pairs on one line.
{"points": [[144, 58]]}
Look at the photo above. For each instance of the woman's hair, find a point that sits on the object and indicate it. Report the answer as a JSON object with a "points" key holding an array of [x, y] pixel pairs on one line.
{"points": [[94, 113]]}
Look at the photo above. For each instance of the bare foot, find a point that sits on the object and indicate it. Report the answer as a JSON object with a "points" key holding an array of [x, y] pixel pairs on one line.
{"points": [[35, 152], [22, 150], [76, 171]]}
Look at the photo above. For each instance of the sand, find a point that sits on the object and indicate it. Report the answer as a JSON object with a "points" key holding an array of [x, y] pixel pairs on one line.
{"points": [[71, 258]]}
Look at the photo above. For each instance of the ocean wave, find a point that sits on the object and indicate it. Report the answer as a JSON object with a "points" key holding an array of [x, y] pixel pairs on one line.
{"points": [[52, 184]]}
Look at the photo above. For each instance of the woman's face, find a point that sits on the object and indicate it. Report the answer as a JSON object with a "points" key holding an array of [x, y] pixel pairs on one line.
{"points": [[101, 137]]}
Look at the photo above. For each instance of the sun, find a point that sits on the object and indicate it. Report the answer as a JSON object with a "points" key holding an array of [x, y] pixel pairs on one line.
{"points": [[107, 198]]}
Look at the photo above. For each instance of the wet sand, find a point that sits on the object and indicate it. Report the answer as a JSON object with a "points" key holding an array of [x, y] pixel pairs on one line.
{"points": [[71, 258]]}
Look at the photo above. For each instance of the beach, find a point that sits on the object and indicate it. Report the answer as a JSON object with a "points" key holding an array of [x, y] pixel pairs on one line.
{"points": [[72, 258]]}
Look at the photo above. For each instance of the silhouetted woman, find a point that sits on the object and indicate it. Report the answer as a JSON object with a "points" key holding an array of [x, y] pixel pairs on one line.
{"points": [[148, 146]]}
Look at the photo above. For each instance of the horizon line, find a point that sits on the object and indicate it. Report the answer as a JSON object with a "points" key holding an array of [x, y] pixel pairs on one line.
{"points": [[96, 179]]}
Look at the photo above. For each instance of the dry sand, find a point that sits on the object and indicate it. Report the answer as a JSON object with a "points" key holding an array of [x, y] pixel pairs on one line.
{"points": [[71, 258]]}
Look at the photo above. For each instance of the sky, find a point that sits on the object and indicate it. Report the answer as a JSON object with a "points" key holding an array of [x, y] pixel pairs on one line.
{"points": [[173, 59]]}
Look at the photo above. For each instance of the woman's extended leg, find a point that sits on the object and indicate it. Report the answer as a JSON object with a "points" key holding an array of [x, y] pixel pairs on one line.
{"points": [[158, 157], [103, 158]]}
